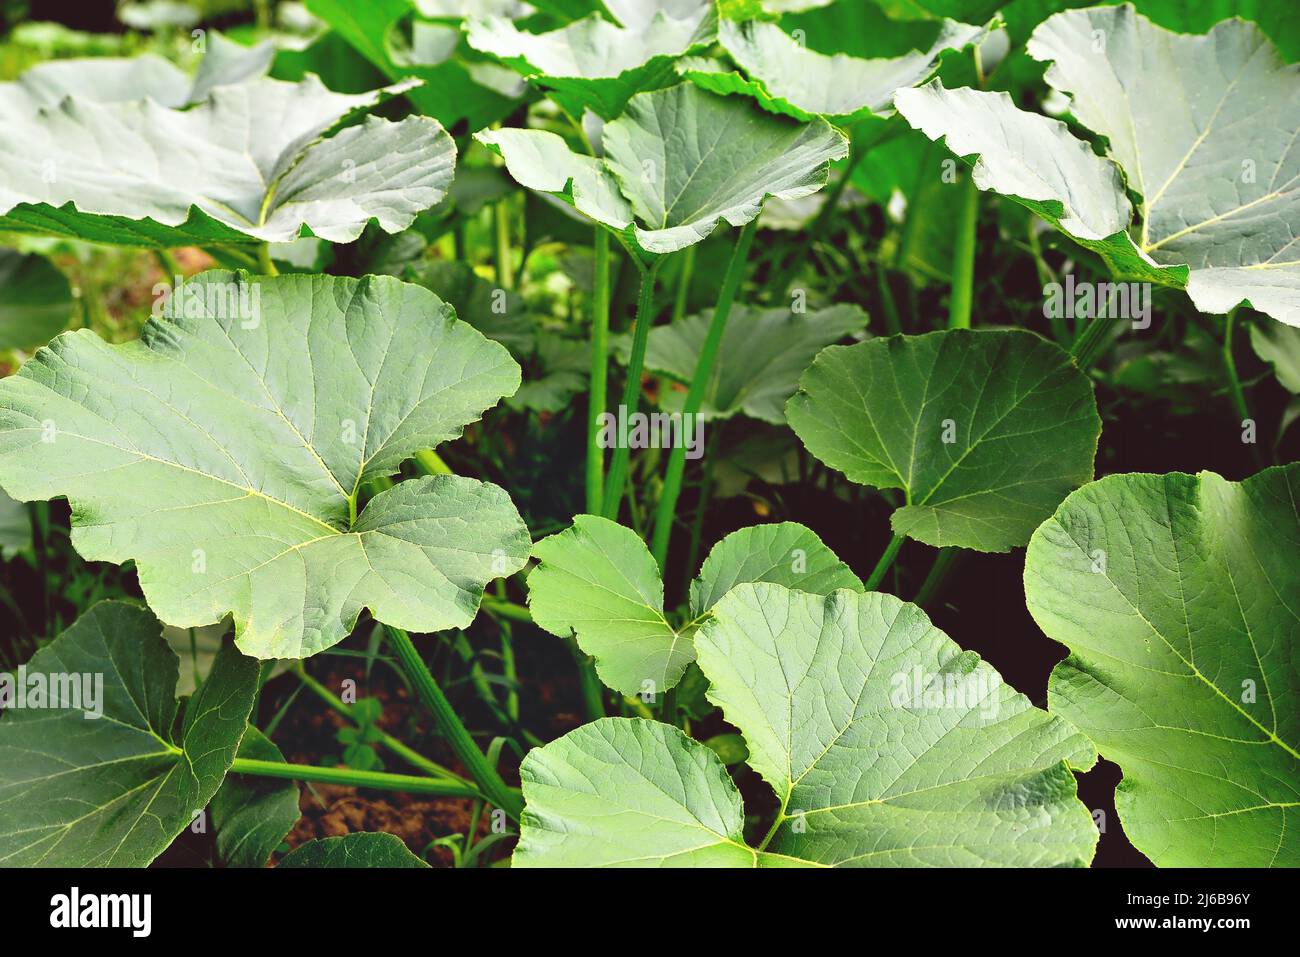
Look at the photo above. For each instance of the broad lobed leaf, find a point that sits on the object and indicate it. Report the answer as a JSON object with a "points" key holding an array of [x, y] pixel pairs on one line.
{"points": [[985, 431], [885, 743], [1176, 595], [784, 76], [677, 162], [760, 358], [235, 446], [598, 581], [115, 790], [252, 162]]}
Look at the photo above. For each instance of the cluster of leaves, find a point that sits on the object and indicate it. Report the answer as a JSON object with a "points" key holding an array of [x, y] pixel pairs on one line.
{"points": [[277, 468]]}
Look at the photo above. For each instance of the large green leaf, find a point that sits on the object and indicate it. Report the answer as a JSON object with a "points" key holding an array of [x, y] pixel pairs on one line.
{"points": [[253, 815], [1201, 127], [237, 449], [1177, 597], [1036, 161], [1218, 195], [252, 162], [35, 300], [761, 356], [450, 93], [784, 76], [985, 431], [114, 791], [598, 581], [680, 161], [885, 743], [594, 64], [363, 849]]}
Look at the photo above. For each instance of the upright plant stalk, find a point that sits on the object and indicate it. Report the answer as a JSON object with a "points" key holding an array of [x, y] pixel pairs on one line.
{"points": [[379, 780], [599, 372], [667, 509], [963, 257], [684, 284], [264, 261], [476, 763], [632, 390], [430, 463], [944, 563], [883, 565], [1230, 366], [1234, 382], [501, 225]]}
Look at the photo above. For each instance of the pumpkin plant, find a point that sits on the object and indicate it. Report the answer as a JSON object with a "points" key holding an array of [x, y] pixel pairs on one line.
{"points": [[756, 612]]}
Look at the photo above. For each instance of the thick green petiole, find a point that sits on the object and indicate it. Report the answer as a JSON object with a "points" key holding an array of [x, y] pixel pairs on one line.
{"points": [[599, 372], [458, 737], [1091, 341], [379, 781], [944, 563], [666, 512], [1234, 382], [886, 560], [963, 256], [430, 463], [613, 495], [264, 261], [501, 228]]}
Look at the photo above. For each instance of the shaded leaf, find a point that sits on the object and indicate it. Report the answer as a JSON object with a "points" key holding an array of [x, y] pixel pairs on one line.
{"points": [[35, 300], [761, 356], [15, 527], [985, 431], [1279, 346], [114, 791], [499, 314], [363, 849], [449, 92], [253, 815]]}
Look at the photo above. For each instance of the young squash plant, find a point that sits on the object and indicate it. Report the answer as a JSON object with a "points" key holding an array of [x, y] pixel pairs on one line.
{"points": [[443, 231]]}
